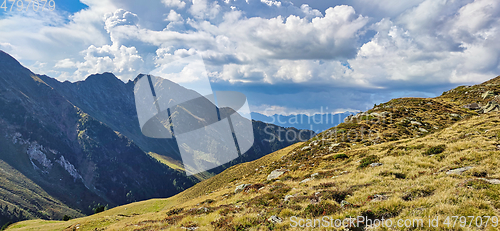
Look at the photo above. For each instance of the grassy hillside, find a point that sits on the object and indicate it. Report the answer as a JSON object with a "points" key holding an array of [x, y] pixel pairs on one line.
{"points": [[412, 182], [22, 199], [409, 158], [139, 211]]}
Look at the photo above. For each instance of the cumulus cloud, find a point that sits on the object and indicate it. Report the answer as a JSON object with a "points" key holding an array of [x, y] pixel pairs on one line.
{"points": [[174, 3], [374, 47]]}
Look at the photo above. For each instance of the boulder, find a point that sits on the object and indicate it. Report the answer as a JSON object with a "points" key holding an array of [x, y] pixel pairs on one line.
{"points": [[472, 106], [305, 180], [378, 197], [459, 171], [276, 173], [491, 181], [347, 119], [241, 187], [375, 164], [422, 130], [488, 94], [490, 107], [416, 123], [384, 114], [274, 219], [288, 197], [305, 148]]}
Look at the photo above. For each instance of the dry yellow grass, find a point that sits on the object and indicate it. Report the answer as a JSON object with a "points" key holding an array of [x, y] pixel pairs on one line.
{"points": [[470, 142], [412, 183], [128, 216]]}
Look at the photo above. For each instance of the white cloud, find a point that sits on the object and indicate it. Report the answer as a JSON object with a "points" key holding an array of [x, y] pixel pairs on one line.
{"points": [[174, 3], [363, 44], [65, 63], [123, 61]]}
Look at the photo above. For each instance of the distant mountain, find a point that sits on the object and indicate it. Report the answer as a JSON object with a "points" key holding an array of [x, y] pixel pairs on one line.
{"points": [[316, 122], [73, 146]]}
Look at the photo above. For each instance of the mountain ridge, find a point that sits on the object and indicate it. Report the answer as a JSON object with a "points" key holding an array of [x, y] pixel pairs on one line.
{"points": [[54, 135], [443, 161]]}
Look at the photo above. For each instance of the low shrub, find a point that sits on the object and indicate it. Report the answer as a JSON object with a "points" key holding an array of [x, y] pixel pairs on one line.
{"points": [[320, 209], [324, 185], [435, 150], [368, 160], [336, 195], [417, 193]]}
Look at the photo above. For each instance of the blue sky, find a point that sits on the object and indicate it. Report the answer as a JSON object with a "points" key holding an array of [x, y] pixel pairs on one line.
{"points": [[287, 56]]}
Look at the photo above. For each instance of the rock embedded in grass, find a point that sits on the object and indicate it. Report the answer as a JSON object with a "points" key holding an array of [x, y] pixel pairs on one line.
{"points": [[491, 181], [275, 219], [276, 173], [459, 171], [305, 180], [241, 187]]}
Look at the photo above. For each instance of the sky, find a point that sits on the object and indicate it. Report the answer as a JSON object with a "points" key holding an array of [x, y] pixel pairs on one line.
{"points": [[288, 57]]}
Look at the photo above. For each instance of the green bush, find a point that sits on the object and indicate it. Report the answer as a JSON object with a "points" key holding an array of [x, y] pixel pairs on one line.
{"points": [[100, 208], [435, 149], [336, 195], [174, 211], [341, 156], [417, 193], [368, 160], [66, 218], [321, 209]]}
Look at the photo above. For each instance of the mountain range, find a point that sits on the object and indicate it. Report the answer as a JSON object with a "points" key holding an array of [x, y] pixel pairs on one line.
{"points": [[69, 148], [318, 122], [408, 159]]}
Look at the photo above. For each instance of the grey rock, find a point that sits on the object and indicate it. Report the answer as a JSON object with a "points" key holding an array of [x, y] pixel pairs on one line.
{"points": [[491, 181], [384, 114], [305, 148], [344, 203], [275, 219], [488, 94], [288, 197], [416, 123], [490, 107], [422, 130], [472, 106], [459, 171], [305, 180], [276, 173], [375, 164], [241, 187], [314, 174], [378, 197]]}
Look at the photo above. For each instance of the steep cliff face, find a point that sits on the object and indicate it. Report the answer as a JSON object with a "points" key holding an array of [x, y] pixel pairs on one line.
{"points": [[71, 155]]}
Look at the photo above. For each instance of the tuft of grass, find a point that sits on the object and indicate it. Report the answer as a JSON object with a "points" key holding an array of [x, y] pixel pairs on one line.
{"points": [[174, 211], [320, 209], [397, 175], [336, 195], [368, 160], [478, 184], [435, 150], [324, 185], [417, 193], [340, 156]]}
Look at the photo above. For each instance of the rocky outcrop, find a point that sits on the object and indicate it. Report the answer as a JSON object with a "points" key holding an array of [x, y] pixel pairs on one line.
{"points": [[490, 107], [276, 173]]}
